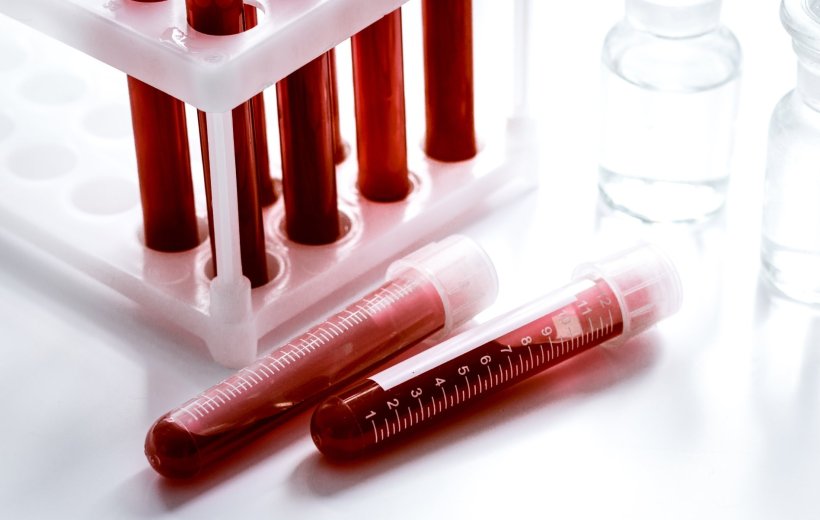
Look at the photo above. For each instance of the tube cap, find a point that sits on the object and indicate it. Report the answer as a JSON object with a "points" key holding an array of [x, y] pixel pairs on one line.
{"points": [[461, 272], [801, 18], [674, 18], [645, 282]]}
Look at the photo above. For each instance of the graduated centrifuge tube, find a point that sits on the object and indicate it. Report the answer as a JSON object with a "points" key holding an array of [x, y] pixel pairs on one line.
{"points": [[430, 291], [671, 74], [609, 301], [791, 213]]}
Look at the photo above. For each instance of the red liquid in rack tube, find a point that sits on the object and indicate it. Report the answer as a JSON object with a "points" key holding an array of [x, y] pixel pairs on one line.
{"points": [[614, 300], [378, 80], [431, 290], [164, 168], [448, 79], [227, 17], [307, 149]]}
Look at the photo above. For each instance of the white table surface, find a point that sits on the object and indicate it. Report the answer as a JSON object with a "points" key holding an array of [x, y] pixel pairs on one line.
{"points": [[715, 414]]}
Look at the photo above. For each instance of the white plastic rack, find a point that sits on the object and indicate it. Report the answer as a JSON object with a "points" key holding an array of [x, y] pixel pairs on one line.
{"points": [[68, 181]]}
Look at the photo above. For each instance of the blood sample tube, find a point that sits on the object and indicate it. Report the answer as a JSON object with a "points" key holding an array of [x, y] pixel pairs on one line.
{"points": [[378, 86], [306, 142], [164, 168], [448, 79], [264, 182], [226, 17], [339, 146], [431, 290], [608, 301]]}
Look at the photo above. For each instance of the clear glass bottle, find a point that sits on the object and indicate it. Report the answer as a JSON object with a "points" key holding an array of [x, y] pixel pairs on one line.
{"points": [[790, 249], [671, 75]]}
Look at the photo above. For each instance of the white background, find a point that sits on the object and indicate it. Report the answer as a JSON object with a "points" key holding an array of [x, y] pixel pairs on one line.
{"points": [[716, 414]]}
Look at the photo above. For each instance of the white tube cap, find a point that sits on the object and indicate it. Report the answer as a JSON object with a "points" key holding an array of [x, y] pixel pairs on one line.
{"points": [[461, 272], [644, 280]]}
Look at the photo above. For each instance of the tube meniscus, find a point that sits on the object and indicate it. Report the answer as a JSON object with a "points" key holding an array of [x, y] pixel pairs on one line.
{"points": [[610, 300], [431, 290]]}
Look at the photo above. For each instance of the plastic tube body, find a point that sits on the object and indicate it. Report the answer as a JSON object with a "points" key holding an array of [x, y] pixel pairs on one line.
{"points": [[308, 166], [164, 168], [624, 299], [225, 18], [238, 409], [378, 85], [448, 79]]}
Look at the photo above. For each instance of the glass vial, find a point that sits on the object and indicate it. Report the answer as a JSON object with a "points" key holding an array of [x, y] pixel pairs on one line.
{"points": [[671, 75], [790, 249]]}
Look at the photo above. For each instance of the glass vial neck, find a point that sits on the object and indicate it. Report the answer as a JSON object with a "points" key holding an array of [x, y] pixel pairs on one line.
{"points": [[674, 18], [808, 83]]}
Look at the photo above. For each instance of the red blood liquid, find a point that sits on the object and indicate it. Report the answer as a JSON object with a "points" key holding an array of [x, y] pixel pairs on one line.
{"points": [[448, 79], [378, 85], [366, 417], [227, 416], [164, 168], [339, 146], [264, 182], [225, 17], [308, 166]]}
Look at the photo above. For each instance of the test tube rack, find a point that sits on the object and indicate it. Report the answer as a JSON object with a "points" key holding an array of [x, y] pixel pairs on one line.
{"points": [[68, 172]]}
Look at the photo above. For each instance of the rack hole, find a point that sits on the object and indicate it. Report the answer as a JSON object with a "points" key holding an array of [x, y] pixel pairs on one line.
{"points": [[105, 196], [274, 264], [42, 161], [53, 88]]}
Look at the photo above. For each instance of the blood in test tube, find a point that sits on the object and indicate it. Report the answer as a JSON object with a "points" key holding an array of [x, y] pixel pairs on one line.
{"points": [[378, 86], [434, 384], [164, 168], [226, 17], [264, 181], [308, 165], [439, 291], [448, 79], [339, 146]]}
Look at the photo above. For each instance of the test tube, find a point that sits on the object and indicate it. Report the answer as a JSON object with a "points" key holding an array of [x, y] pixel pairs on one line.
{"points": [[431, 290], [339, 147], [259, 123], [378, 86], [448, 79], [226, 17], [608, 302], [164, 168], [308, 165]]}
